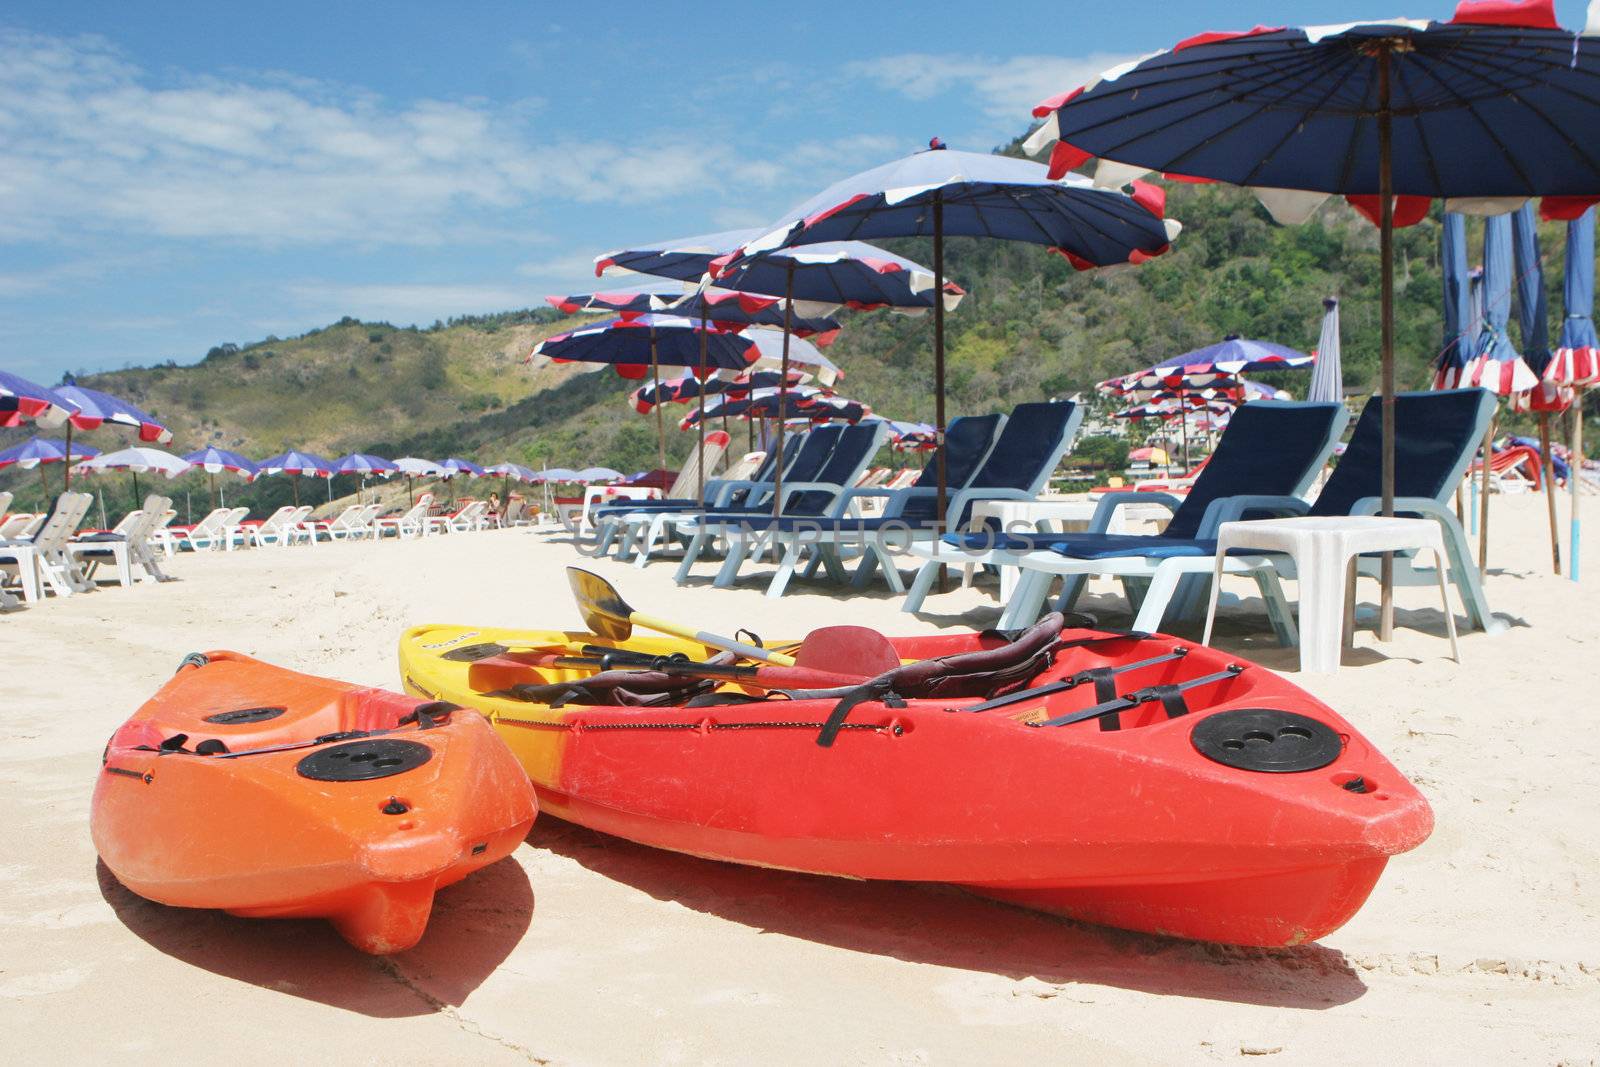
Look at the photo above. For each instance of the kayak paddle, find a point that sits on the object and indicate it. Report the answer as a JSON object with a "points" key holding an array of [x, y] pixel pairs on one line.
{"points": [[607, 614]]}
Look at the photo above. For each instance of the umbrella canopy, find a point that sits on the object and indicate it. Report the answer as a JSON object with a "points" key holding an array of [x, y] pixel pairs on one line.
{"points": [[214, 460], [557, 474], [515, 471], [625, 343], [597, 474], [982, 195], [1301, 109], [722, 307], [302, 464], [829, 276], [682, 390], [456, 466], [138, 461], [361, 463], [92, 409], [412, 467], [1327, 373], [911, 436], [40, 450], [1211, 365], [24, 401]]}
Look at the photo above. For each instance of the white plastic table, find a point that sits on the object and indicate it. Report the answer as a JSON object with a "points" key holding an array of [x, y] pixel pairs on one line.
{"points": [[1325, 552], [1047, 516]]}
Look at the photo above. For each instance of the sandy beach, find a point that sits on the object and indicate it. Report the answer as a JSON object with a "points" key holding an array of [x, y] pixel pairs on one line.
{"points": [[1484, 945]]}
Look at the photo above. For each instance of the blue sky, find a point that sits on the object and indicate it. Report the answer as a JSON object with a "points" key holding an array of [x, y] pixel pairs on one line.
{"points": [[173, 176]]}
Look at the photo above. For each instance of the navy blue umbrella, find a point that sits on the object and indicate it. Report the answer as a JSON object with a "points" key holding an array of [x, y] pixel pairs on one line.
{"points": [[940, 193], [1498, 103]]}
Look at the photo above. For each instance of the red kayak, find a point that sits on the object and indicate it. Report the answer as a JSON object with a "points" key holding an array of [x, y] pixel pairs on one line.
{"points": [[1133, 781]]}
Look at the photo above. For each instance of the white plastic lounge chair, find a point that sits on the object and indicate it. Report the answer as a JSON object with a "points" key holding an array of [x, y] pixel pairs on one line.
{"points": [[126, 545], [42, 560], [339, 526], [279, 528], [207, 533], [407, 524]]}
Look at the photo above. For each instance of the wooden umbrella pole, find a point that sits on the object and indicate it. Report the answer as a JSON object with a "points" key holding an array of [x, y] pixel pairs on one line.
{"points": [[783, 386], [938, 370], [1549, 477], [700, 459], [1575, 483], [66, 462], [661, 432], [1386, 257], [1483, 495]]}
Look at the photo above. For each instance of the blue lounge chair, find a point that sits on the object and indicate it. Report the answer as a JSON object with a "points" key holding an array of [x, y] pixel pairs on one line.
{"points": [[745, 530], [968, 442], [1436, 435], [642, 523], [1271, 447]]}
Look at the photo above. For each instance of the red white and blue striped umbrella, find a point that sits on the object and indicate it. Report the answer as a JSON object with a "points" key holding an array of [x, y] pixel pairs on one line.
{"points": [[364, 464], [1213, 365], [462, 466], [827, 277], [92, 409], [939, 193], [1495, 106], [721, 307], [38, 451], [514, 471], [682, 390], [1492, 362], [1576, 360], [215, 460], [301, 464], [24, 401]]}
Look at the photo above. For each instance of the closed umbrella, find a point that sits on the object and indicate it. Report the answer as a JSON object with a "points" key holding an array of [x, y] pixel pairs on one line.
{"points": [[1327, 373], [1533, 316], [1575, 364], [1499, 104]]}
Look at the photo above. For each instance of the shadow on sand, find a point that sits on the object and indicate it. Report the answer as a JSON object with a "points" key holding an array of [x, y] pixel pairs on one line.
{"points": [[947, 927], [475, 925]]}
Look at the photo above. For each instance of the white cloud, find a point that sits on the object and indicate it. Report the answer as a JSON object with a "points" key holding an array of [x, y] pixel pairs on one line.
{"points": [[90, 143], [407, 304], [1006, 89]]}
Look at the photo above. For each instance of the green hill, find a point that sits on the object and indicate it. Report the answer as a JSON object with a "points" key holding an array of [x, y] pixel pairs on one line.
{"points": [[1031, 326]]}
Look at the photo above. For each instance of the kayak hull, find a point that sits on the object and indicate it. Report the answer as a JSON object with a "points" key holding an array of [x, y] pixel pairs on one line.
{"points": [[1130, 827], [246, 831]]}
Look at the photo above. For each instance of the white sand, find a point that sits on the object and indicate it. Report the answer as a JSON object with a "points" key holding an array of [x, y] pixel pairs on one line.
{"points": [[1483, 945]]}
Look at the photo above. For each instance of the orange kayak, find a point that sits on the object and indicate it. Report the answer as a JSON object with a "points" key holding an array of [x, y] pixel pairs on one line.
{"points": [[273, 794]]}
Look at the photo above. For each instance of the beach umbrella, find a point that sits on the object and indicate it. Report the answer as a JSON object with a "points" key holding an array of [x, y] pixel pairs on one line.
{"points": [[720, 306], [92, 409], [1495, 106], [815, 280], [38, 451], [644, 343], [1327, 372], [215, 461], [1533, 317], [510, 472], [24, 401], [682, 390], [911, 436], [363, 464], [1459, 320], [414, 468], [456, 466], [136, 461], [1575, 364], [596, 474], [940, 193], [297, 465]]}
